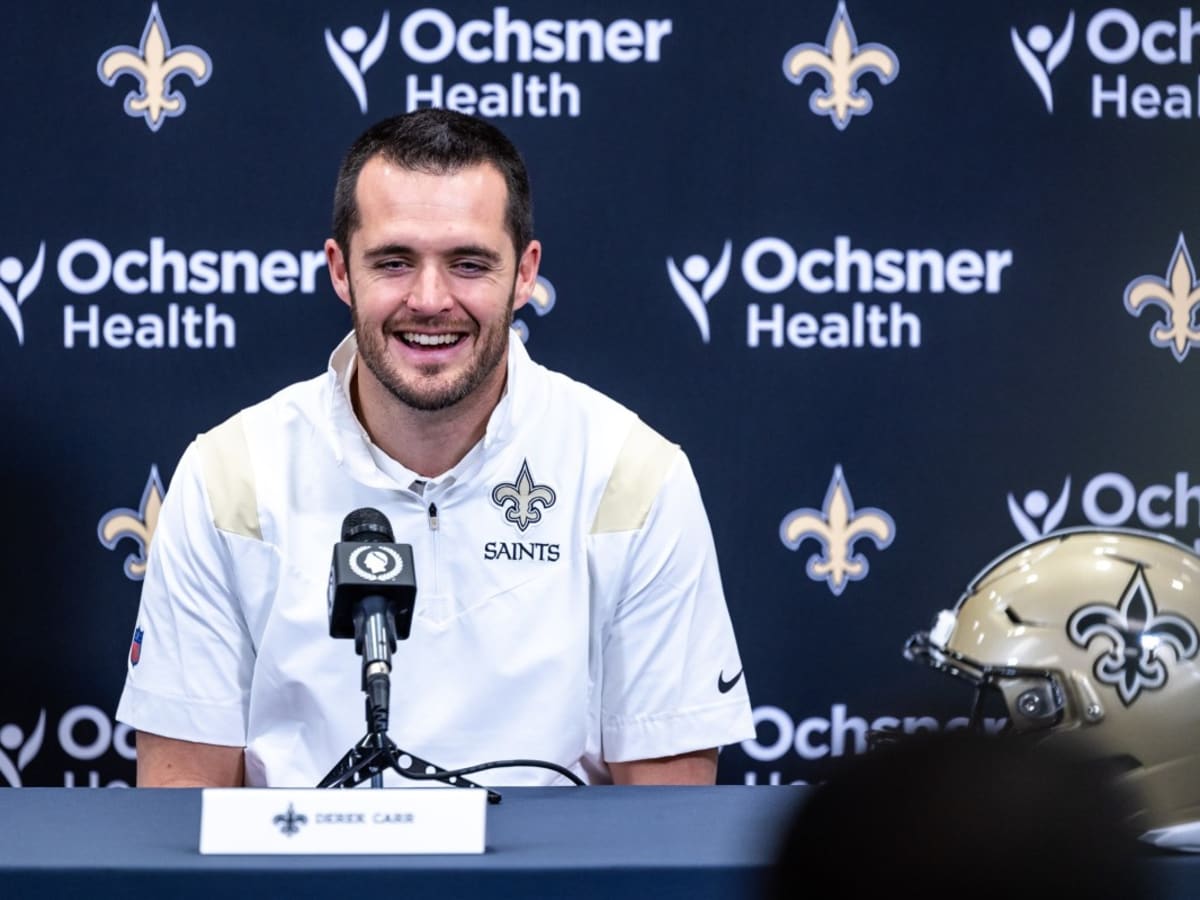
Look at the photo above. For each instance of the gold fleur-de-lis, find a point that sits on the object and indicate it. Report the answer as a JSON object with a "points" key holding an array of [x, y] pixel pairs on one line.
{"points": [[1178, 294], [542, 296], [836, 527], [136, 524], [520, 500], [154, 64], [541, 301], [841, 62]]}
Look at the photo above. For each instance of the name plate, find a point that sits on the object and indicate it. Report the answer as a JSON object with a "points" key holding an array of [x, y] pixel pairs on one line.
{"points": [[342, 821]]}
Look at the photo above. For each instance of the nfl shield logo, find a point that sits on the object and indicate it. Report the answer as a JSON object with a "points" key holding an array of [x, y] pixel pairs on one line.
{"points": [[135, 649]]}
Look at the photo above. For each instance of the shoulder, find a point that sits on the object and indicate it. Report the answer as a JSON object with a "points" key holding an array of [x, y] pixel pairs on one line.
{"points": [[642, 466], [634, 460], [227, 456], [567, 402]]}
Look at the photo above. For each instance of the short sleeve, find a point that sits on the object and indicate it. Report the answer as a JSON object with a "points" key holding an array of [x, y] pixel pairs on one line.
{"points": [[190, 677], [672, 675]]}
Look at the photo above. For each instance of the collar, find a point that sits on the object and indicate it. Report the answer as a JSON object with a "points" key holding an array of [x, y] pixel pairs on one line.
{"points": [[354, 449]]}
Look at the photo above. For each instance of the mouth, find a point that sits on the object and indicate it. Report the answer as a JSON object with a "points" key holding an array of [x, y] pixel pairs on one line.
{"points": [[422, 340]]}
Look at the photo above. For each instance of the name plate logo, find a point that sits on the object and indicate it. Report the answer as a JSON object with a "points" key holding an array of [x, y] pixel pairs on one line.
{"points": [[312, 821]]}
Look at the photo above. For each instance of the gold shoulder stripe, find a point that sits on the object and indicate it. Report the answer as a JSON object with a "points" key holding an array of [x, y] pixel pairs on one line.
{"points": [[641, 467], [229, 477]]}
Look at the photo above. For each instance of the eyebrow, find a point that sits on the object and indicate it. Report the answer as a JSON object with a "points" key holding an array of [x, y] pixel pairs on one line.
{"points": [[476, 250]]}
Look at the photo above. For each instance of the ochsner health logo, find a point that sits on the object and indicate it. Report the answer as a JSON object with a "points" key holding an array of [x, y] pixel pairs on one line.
{"points": [[1110, 500], [353, 43], [773, 267], [25, 747], [163, 276], [429, 37], [1120, 47], [16, 284], [698, 282], [1041, 53], [85, 733]]}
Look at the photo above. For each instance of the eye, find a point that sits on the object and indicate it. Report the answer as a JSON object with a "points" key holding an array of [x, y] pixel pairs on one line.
{"points": [[471, 267]]}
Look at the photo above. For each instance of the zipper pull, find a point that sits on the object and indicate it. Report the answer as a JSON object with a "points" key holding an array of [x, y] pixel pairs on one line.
{"points": [[433, 517]]}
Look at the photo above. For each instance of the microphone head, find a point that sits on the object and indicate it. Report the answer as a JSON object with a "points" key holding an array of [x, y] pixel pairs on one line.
{"points": [[383, 570], [367, 525]]}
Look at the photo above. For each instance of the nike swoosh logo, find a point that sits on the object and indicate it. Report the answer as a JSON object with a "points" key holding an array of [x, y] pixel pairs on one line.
{"points": [[726, 686]]}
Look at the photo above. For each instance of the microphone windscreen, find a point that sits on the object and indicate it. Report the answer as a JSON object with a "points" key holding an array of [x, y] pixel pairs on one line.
{"points": [[367, 525]]}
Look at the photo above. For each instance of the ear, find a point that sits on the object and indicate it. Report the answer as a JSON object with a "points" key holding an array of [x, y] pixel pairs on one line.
{"points": [[339, 270], [527, 270]]}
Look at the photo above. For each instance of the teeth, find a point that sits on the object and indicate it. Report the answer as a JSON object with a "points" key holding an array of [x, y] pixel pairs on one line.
{"points": [[429, 340]]}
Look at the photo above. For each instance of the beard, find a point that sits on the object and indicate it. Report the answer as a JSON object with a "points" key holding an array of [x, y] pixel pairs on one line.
{"points": [[430, 389]]}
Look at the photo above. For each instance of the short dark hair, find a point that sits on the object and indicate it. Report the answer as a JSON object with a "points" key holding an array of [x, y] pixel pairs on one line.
{"points": [[436, 142]]}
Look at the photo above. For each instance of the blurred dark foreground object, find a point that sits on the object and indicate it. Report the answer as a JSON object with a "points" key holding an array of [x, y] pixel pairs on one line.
{"points": [[963, 814]]}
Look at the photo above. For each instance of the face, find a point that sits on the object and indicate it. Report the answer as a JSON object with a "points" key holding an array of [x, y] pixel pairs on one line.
{"points": [[432, 280]]}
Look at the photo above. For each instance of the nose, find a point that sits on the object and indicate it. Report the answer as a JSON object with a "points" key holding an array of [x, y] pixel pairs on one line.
{"points": [[430, 291]]}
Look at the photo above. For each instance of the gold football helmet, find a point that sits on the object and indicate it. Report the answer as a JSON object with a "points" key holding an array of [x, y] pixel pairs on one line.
{"points": [[1090, 637]]}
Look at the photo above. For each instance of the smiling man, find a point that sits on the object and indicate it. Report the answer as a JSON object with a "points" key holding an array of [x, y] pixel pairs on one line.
{"points": [[569, 606]]}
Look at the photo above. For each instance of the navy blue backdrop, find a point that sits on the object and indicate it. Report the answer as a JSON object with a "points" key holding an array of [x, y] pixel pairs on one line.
{"points": [[909, 282]]}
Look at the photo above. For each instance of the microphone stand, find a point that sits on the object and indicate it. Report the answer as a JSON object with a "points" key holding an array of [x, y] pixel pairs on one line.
{"points": [[375, 752]]}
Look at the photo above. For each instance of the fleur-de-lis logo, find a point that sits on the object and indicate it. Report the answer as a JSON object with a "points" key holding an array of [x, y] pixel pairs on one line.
{"points": [[520, 499], [541, 301], [1137, 633], [137, 524], [841, 61], [836, 527], [289, 823], [153, 63], [696, 271], [1178, 295]]}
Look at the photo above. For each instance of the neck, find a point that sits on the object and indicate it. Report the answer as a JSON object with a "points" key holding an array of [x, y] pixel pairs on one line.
{"points": [[429, 442]]}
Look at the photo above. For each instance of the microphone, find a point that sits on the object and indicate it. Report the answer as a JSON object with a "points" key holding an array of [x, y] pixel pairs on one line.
{"points": [[372, 587]]}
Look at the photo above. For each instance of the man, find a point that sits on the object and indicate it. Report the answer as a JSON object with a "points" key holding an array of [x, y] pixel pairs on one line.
{"points": [[569, 606]]}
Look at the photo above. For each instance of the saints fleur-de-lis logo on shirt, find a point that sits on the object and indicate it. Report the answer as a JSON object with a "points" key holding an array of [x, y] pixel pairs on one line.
{"points": [[522, 500], [836, 527], [1137, 635], [136, 524], [1177, 295], [841, 61], [154, 64]]}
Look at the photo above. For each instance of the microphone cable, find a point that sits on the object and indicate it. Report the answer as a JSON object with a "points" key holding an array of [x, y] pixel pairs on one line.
{"points": [[498, 764]]}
